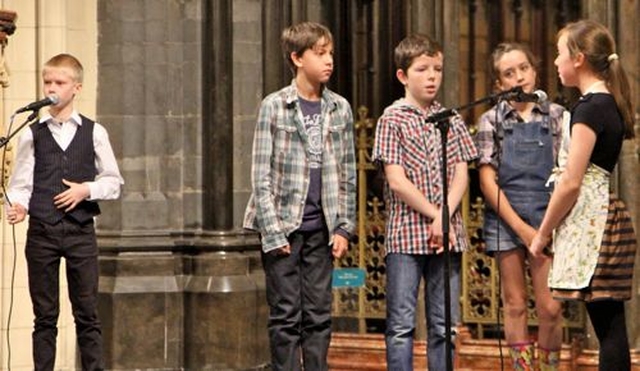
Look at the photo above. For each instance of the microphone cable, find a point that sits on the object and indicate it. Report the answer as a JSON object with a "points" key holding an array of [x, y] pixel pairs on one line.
{"points": [[497, 253], [14, 244]]}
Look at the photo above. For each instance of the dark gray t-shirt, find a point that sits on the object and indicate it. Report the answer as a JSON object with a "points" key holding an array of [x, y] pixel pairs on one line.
{"points": [[313, 219]]}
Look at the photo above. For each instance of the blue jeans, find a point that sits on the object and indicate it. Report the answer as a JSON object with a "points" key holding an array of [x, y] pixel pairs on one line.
{"points": [[404, 272]]}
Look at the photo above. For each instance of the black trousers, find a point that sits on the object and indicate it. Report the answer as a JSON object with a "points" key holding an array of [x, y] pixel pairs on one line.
{"points": [[46, 245], [608, 320], [299, 297]]}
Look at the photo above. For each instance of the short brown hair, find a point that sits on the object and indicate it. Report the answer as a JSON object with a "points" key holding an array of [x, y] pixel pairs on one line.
{"points": [[414, 46], [302, 36], [69, 61], [506, 47]]}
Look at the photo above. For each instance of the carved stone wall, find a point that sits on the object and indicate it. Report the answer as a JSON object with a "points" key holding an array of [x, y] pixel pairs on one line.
{"points": [[7, 28]]}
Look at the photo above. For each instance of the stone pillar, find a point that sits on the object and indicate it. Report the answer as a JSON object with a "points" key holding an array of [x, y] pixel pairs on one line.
{"points": [[142, 312], [225, 315], [181, 285], [7, 28], [276, 73], [629, 190], [628, 38], [217, 114]]}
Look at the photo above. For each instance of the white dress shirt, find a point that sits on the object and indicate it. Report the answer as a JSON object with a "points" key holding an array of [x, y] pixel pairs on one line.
{"points": [[108, 181]]}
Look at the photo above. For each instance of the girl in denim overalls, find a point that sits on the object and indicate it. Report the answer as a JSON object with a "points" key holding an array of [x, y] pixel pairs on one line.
{"points": [[518, 143]]}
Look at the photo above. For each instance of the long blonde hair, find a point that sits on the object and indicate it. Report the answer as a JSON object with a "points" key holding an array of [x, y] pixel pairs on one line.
{"points": [[597, 45]]}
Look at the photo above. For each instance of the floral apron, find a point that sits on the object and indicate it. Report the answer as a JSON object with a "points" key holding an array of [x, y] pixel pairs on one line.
{"points": [[577, 241]]}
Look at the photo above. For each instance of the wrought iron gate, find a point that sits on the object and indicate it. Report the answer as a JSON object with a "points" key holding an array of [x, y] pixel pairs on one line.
{"points": [[362, 309]]}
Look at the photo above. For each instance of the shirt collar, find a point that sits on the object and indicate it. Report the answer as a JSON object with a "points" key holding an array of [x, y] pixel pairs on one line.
{"points": [[403, 105], [291, 95], [75, 118]]}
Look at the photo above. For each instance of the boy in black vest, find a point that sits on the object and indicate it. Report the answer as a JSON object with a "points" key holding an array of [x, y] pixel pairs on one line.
{"points": [[64, 164]]}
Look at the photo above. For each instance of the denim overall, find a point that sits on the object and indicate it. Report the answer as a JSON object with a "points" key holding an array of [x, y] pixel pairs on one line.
{"points": [[523, 169]]}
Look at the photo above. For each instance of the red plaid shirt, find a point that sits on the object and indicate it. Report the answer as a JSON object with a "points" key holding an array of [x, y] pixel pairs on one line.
{"points": [[403, 138]]}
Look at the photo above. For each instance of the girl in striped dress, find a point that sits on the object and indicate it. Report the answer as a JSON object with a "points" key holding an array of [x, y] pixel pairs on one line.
{"points": [[593, 239]]}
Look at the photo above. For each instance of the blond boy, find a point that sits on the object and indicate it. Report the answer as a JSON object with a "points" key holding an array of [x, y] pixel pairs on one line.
{"points": [[64, 164]]}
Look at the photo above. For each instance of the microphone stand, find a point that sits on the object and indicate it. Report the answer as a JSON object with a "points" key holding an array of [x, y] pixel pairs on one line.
{"points": [[441, 119], [5, 140]]}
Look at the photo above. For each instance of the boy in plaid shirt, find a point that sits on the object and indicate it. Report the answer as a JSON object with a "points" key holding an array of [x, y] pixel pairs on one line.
{"points": [[409, 149], [303, 202]]}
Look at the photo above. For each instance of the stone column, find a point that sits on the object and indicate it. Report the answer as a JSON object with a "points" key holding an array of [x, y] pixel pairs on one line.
{"points": [[629, 190], [181, 285], [276, 73], [7, 28], [628, 39], [217, 114]]}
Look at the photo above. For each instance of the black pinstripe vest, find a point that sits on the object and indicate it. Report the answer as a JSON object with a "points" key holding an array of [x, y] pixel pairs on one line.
{"points": [[52, 164]]}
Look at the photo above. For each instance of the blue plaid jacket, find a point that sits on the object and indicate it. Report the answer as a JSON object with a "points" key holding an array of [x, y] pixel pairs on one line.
{"points": [[280, 167]]}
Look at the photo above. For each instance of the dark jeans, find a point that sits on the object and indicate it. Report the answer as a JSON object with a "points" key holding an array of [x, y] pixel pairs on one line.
{"points": [[46, 245], [299, 296]]}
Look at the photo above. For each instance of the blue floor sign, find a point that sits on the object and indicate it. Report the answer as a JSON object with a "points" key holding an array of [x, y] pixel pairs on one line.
{"points": [[348, 277]]}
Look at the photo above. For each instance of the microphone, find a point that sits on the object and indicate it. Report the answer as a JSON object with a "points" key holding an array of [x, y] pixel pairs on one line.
{"points": [[518, 95], [52, 99], [537, 96]]}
